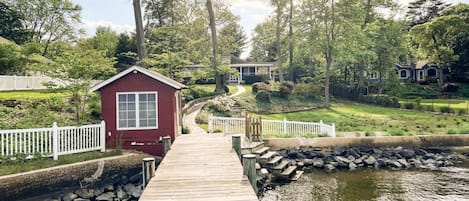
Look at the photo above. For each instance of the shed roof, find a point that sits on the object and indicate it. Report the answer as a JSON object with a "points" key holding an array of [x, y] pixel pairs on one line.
{"points": [[157, 76]]}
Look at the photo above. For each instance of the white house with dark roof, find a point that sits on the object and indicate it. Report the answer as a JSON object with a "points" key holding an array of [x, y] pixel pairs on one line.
{"points": [[244, 68]]}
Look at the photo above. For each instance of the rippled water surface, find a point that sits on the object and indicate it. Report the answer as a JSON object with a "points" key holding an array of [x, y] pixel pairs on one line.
{"points": [[446, 184]]}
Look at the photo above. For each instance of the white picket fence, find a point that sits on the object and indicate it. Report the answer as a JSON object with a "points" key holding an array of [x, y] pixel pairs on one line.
{"points": [[53, 141], [13, 82], [282, 128]]}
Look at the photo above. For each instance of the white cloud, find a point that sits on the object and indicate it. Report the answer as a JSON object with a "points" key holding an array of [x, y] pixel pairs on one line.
{"points": [[90, 26]]}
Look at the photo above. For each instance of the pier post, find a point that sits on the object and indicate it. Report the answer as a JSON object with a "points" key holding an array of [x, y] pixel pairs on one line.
{"points": [[249, 169], [166, 144], [148, 170], [236, 144]]}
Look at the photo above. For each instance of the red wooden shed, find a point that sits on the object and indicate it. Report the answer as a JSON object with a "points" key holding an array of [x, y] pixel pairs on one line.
{"points": [[139, 106]]}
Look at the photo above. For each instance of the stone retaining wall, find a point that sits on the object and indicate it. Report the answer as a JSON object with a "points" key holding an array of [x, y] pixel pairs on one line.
{"points": [[427, 141], [23, 185]]}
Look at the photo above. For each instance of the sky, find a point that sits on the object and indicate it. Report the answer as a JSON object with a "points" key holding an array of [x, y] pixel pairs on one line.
{"points": [[118, 14]]}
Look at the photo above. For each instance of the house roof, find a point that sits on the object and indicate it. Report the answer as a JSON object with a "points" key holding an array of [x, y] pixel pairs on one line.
{"points": [[420, 64], [152, 74]]}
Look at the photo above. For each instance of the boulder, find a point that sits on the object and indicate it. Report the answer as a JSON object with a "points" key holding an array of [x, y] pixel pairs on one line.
{"points": [[354, 152], [352, 166], [69, 197], [329, 167], [85, 193], [129, 188], [370, 160], [81, 199], [358, 161], [382, 162], [135, 178], [428, 156], [309, 162], [407, 153], [108, 188], [395, 164], [341, 159], [124, 180], [404, 163], [137, 193], [317, 162], [109, 196], [351, 158], [339, 151], [120, 194], [421, 152]]}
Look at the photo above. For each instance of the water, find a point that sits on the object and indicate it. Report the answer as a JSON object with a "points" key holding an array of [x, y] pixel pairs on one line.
{"points": [[448, 184]]}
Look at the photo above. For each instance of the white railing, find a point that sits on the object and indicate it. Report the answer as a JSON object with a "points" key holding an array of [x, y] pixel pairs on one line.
{"points": [[281, 128], [53, 141], [13, 82]]}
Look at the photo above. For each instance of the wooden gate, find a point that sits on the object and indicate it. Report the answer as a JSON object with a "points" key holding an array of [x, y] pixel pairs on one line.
{"points": [[253, 129]]}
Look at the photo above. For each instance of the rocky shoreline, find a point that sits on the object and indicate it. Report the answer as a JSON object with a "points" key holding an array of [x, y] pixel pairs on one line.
{"points": [[122, 189], [341, 158]]}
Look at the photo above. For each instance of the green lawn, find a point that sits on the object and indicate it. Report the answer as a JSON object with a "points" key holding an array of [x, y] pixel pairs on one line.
{"points": [[351, 116], [32, 95], [456, 104], [7, 168]]}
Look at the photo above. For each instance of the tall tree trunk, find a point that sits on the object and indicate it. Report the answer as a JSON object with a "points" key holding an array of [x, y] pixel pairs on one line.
{"points": [[219, 77], [290, 39], [328, 75], [139, 29], [279, 50]]}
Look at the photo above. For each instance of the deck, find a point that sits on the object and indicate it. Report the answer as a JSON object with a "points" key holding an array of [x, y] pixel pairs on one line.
{"points": [[200, 167]]}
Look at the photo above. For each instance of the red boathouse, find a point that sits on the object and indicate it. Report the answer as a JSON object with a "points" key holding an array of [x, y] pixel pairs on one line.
{"points": [[139, 107]]}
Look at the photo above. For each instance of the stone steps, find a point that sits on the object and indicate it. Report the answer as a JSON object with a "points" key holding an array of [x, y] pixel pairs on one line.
{"points": [[267, 157]]}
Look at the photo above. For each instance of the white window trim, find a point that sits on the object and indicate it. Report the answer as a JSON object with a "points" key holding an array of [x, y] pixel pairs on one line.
{"points": [[137, 109]]}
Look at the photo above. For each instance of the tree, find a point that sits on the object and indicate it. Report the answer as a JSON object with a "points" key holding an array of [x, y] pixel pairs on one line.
{"points": [[279, 9], [126, 52], [232, 39], [49, 20], [219, 78], [139, 29], [11, 26], [436, 40], [78, 67], [11, 60], [264, 46], [105, 40], [421, 11]]}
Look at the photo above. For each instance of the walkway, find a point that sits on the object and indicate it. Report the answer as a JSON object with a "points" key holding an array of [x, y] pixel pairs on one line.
{"points": [[199, 166]]}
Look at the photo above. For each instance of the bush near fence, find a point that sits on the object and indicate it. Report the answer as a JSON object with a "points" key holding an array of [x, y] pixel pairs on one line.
{"points": [[356, 93]]}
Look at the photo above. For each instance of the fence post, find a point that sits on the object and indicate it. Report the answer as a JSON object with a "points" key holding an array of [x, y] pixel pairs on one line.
{"points": [[284, 125], [249, 169], [102, 136], [14, 82], [148, 170], [333, 130], [210, 123], [320, 127], [55, 141], [166, 144], [236, 144]]}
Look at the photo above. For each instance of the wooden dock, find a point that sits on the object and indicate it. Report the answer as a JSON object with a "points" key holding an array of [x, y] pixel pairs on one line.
{"points": [[200, 167]]}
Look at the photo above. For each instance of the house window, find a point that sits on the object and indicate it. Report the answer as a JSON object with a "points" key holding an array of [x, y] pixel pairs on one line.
{"points": [[403, 74], [431, 72], [137, 110]]}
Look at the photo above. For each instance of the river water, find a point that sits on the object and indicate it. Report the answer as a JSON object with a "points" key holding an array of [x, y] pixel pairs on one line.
{"points": [[448, 184]]}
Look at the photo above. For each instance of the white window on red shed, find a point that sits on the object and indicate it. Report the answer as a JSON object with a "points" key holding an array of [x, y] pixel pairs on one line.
{"points": [[137, 110]]}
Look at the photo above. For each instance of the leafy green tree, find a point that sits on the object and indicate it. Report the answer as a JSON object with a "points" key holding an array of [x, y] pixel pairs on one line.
{"points": [[279, 5], [232, 39], [263, 43], [421, 11], [436, 40], [12, 62], [78, 67], [11, 26], [49, 21], [126, 52], [105, 40]]}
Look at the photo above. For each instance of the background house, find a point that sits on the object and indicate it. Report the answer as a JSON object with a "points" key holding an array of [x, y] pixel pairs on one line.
{"points": [[423, 71], [139, 106], [245, 68]]}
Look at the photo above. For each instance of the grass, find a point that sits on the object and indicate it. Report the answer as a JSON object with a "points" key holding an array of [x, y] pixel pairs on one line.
{"points": [[353, 117], [35, 164], [457, 104], [32, 95], [248, 101]]}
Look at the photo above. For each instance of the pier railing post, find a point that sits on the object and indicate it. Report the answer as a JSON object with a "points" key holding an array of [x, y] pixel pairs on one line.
{"points": [[166, 144], [148, 170], [249, 169], [236, 144]]}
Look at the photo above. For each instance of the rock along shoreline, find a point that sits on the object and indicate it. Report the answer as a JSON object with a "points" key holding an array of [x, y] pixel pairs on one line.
{"points": [[342, 158]]}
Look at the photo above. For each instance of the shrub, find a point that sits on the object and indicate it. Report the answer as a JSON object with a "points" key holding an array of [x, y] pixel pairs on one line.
{"points": [[369, 133], [285, 89], [306, 90], [461, 112], [463, 130], [307, 80], [196, 92], [263, 97], [396, 132], [250, 79], [446, 109], [451, 131], [409, 106], [258, 86], [186, 130]]}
